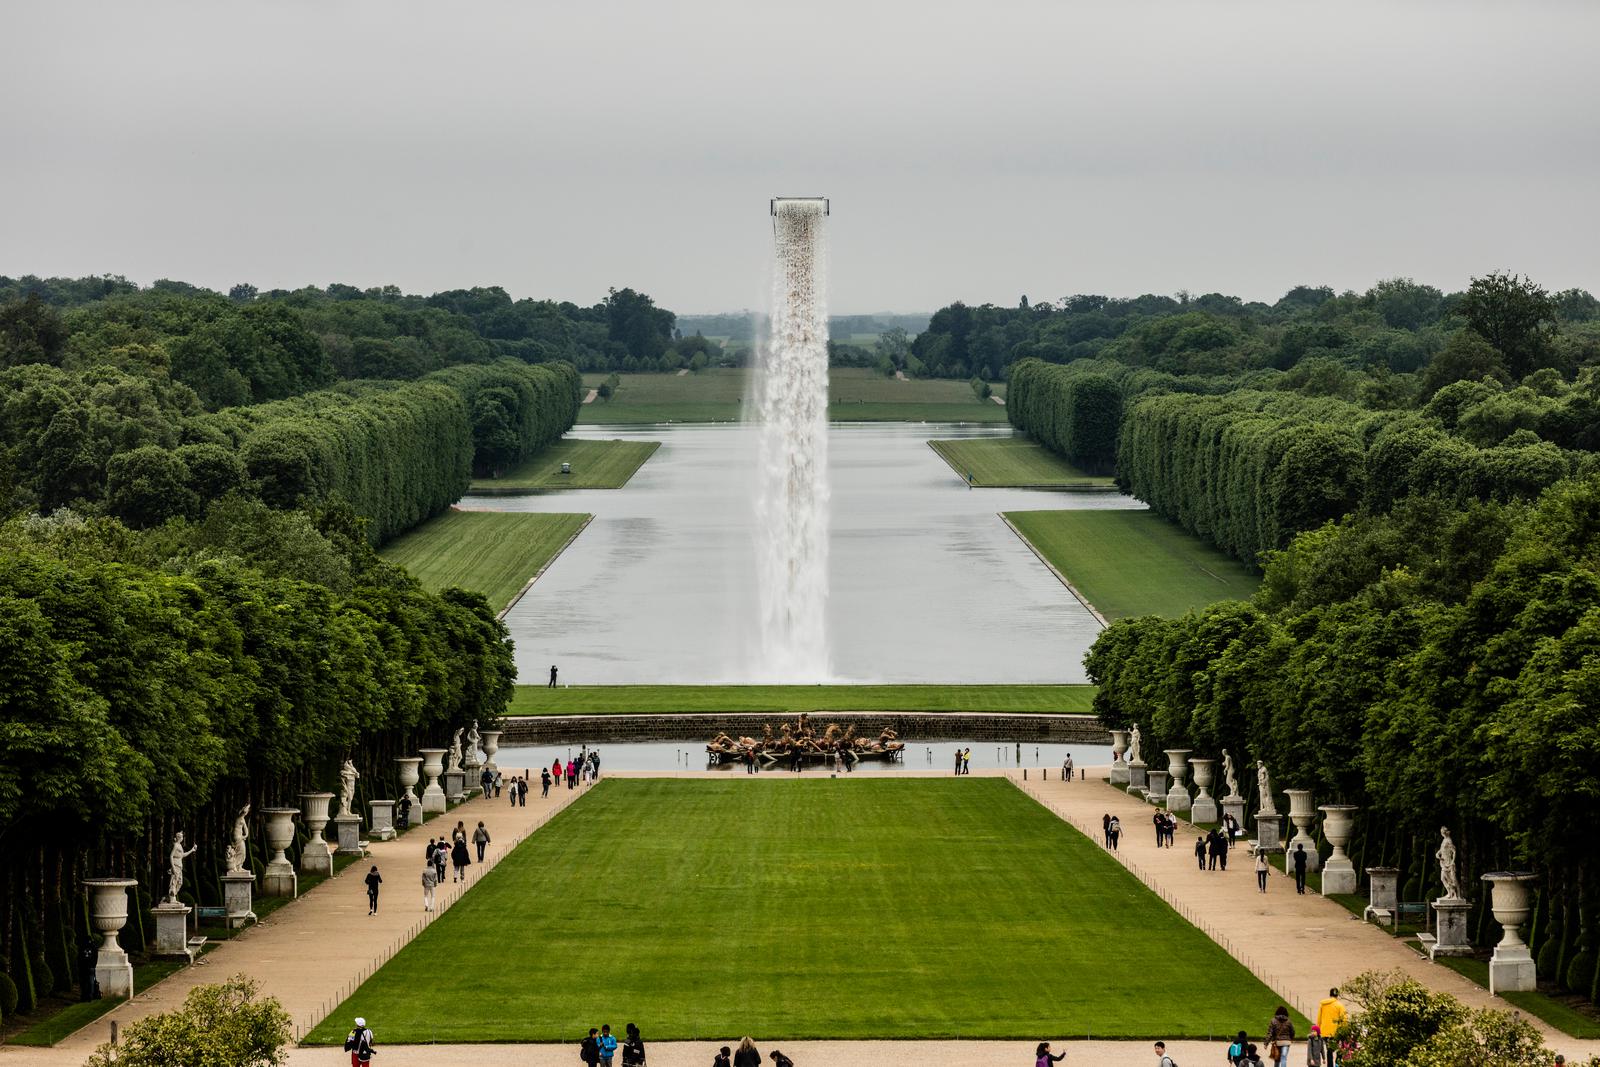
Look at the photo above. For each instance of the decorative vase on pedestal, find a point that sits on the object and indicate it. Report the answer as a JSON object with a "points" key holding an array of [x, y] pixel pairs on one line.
{"points": [[1511, 969], [1119, 768], [1157, 793], [1204, 808], [1302, 814], [1338, 873], [280, 879], [491, 745], [108, 910], [316, 857], [433, 802], [1177, 792]]}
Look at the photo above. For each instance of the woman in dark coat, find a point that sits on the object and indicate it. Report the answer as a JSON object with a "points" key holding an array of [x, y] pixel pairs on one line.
{"points": [[374, 879], [459, 857], [633, 1048]]}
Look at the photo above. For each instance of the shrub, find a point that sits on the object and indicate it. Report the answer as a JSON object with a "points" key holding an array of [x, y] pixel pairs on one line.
{"points": [[218, 1026]]}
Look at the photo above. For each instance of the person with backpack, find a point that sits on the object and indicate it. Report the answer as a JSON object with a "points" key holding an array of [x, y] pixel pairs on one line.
{"points": [[608, 1045], [589, 1051], [633, 1048], [1042, 1057], [359, 1044], [1113, 832], [1236, 1049], [544, 780], [1250, 1058], [1162, 1059]]}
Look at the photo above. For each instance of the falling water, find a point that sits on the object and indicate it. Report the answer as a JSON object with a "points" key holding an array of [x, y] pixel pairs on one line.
{"points": [[792, 485]]}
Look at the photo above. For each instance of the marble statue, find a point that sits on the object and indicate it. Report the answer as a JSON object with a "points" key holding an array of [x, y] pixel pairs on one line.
{"points": [[175, 862], [1133, 745], [473, 737], [1264, 782], [1447, 865], [455, 753], [347, 787], [237, 852], [1228, 774]]}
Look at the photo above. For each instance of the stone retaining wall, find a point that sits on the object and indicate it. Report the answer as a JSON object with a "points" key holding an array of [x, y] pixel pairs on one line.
{"points": [[918, 726]]}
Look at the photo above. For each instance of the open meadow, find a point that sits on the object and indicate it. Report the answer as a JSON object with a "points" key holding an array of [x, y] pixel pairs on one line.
{"points": [[1130, 563], [792, 699], [1014, 463], [800, 908], [490, 552]]}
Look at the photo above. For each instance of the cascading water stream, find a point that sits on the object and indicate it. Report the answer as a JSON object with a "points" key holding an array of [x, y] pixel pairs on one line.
{"points": [[792, 456]]}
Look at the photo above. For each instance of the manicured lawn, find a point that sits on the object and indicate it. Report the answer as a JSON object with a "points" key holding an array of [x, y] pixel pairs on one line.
{"points": [[74, 1016], [1557, 1013], [490, 552], [1014, 461], [595, 465], [810, 908], [1129, 563], [627, 699], [855, 395]]}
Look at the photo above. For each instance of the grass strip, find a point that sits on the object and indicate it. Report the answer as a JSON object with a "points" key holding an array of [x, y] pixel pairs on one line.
{"points": [[595, 465], [1557, 1013], [666, 699], [1014, 463], [495, 553]]}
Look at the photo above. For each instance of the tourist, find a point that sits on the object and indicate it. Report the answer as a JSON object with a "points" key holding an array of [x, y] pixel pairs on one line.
{"points": [[595, 756], [589, 1051], [359, 1044], [1113, 832], [779, 1059], [552, 676], [460, 832], [1261, 869], [460, 858], [513, 792], [1231, 826], [499, 782], [1042, 1057], [1314, 1047], [403, 820], [1237, 1047], [486, 782], [1217, 849], [608, 1045], [522, 792], [633, 1048], [1105, 827], [966, 760], [1331, 1017], [1223, 845], [1250, 1059], [544, 781], [430, 878], [748, 1055], [1200, 851], [572, 774], [722, 1058], [1066, 769], [480, 837], [373, 880], [1162, 1059], [1159, 821], [749, 761], [555, 770], [441, 854], [1280, 1037], [1300, 869]]}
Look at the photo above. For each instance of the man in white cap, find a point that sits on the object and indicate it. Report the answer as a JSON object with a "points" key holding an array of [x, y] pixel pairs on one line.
{"points": [[359, 1044]]}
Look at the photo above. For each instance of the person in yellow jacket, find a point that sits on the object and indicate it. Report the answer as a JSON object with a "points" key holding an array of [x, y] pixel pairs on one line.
{"points": [[1331, 1016]]}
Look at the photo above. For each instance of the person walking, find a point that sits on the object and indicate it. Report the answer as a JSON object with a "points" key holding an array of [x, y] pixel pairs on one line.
{"points": [[1105, 828], [633, 1048], [589, 1051], [1300, 869], [460, 858], [513, 792], [373, 880], [1280, 1037], [1236, 1048], [966, 760], [486, 782], [748, 1055], [499, 783], [522, 792], [430, 879], [403, 816], [552, 676], [1331, 1017], [608, 1045], [359, 1044], [555, 770], [1159, 821], [480, 837], [1200, 851], [1262, 869], [1162, 1059], [1217, 849], [779, 1059], [1066, 768], [1114, 832], [572, 774], [544, 781], [1042, 1056]]}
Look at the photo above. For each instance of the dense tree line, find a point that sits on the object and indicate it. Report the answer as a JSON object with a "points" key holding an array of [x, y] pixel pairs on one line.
{"points": [[1439, 663]]}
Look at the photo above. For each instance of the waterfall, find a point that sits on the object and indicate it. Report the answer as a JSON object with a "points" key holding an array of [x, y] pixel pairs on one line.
{"points": [[792, 455]]}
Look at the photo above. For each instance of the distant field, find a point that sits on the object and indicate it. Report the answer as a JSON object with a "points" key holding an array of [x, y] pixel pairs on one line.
{"points": [[595, 465], [1014, 461], [855, 394], [494, 553], [1130, 563], [659, 699]]}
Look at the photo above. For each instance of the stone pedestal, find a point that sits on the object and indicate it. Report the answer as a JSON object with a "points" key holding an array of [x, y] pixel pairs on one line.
{"points": [[433, 798], [172, 931], [279, 879], [1511, 969], [1158, 787], [471, 765], [382, 819], [1302, 814], [238, 890], [1178, 768], [1338, 873], [1119, 767], [408, 768], [349, 834], [1204, 808], [1138, 776], [1450, 928], [316, 857], [1383, 895], [1234, 805], [1269, 830], [455, 786], [491, 745], [108, 910]]}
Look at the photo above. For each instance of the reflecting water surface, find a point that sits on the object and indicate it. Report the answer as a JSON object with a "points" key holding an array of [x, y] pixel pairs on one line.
{"points": [[927, 584]]}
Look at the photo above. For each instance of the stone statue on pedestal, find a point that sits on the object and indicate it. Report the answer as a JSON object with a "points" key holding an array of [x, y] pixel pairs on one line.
{"points": [[1264, 782], [236, 847], [347, 787], [473, 738], [455, 752], [1228, 774], [175, 862], [1447, 865], [1133, 744]]}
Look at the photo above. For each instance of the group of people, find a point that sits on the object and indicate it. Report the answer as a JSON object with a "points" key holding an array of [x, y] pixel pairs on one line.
{"points": [[963, 761], [1111, 827], [1166, 825], [747, 1055], [584, 768], [455, 852], [599, 1049], [1322, 1045], [1211, 850]]}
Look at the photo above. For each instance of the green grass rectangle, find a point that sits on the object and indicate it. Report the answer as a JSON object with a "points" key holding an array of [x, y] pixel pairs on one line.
{"points": [[494, 553], [663, 699], [806, 908], [1013, 462], [1130, 563], [595, 465]]}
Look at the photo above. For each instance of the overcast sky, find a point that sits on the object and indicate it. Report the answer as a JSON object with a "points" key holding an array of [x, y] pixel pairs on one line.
{"points": [[975, 150]]}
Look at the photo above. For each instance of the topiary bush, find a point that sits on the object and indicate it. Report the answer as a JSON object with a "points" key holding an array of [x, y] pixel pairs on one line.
{"points": [[8, 995]]}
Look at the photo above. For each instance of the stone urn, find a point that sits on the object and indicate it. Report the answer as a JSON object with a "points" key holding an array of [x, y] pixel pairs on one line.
{"points": [[433, 802], [279, 879], [1178, 767], [491, 745], [1204, 807], [108, 911], [1511, 969], [1119, 769], [1303, 814], [1338, 873], [409, 768], [316, 857]]}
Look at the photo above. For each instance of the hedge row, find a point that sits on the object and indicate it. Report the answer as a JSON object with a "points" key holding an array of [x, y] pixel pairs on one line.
{"points": [[1075, 414]]}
